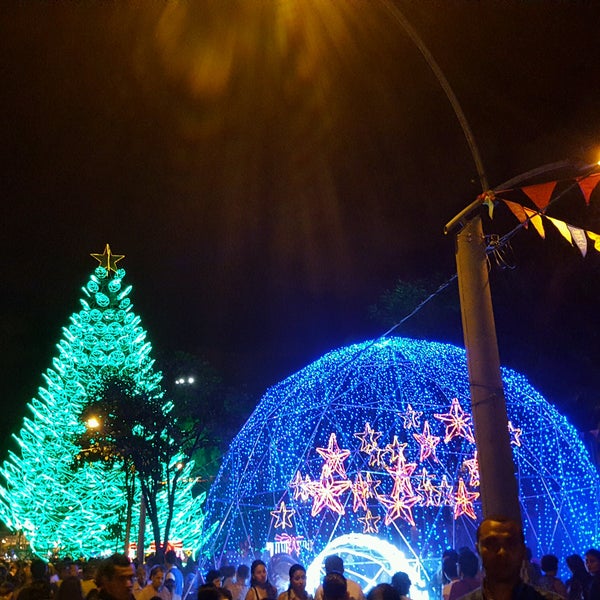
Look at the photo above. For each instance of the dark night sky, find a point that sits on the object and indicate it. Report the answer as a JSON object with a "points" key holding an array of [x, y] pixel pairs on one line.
{"points": [[270, 168]]}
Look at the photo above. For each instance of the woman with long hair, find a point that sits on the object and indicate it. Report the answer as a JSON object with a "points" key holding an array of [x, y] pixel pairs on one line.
{"points": [[297, 588], [260, 586]]}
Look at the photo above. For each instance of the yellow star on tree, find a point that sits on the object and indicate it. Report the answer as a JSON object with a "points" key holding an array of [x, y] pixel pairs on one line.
{"points": [[108, 260]]}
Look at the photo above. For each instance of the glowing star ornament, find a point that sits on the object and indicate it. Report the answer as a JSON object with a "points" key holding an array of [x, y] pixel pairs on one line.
{"points": [[283, 516], [515, 434], [108, 260], [326, 494], [472, 466], [334, 458], [458, 422], [368, 438], [463, 501], [370, 522], [427, 442], [399, 504], [411, 417], [361, 492], [430, 494], [395, 450]]}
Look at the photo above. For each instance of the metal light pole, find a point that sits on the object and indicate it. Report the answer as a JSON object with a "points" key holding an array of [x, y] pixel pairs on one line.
{"points": [[498, 484]]}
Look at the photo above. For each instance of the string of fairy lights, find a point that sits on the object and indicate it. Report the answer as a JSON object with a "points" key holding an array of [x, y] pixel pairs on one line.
{"points": [[377, 438]]}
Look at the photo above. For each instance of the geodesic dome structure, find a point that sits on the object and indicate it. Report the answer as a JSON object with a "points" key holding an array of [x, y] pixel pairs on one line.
{"points": [[376, 438]]}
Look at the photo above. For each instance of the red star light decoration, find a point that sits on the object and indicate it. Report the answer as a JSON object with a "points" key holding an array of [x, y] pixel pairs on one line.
{"points": [[283, 516], [368, 438], [411, 417], [458, 422], [463, 501], [427, 442], [334, 458], [326, 494], [370, 522]]}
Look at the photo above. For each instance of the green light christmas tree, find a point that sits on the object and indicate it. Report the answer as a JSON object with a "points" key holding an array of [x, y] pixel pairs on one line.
{"points": [[79, 511]]}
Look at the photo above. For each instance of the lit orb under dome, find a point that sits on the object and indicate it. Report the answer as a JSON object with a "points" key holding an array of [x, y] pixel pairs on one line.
{"points": [[376, 438]]}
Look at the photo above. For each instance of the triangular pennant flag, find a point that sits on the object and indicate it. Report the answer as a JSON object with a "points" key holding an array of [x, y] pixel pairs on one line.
{"points": [[595, 238], [540, 194], [563, 229], [518, 211], [588, 184], [579, 239], [536, 221]]}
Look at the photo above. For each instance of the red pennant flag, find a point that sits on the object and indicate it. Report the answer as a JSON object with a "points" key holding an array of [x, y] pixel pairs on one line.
{"points": [[588, 184], [540, 194]]}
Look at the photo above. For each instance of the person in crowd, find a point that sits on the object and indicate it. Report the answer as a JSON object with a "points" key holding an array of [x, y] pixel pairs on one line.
{"points": [[88, 573], [210, 592], [6, 590], [114, 578], [334, 564], [39, 587], [70, 589], [214, 578], [141, 579], [450, 570], [530, 570], [383, 591], [239, 587], [579, 581], [260, 586], [227, 575], [501, 546], [156, 585], [549, 581], [174, 577], [334, 587], [468, 569], [592, 564], [297, 587], [401, 582]]}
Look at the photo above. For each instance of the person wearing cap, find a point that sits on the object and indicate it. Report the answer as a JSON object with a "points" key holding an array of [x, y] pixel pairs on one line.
{"points": [[335, 564]]}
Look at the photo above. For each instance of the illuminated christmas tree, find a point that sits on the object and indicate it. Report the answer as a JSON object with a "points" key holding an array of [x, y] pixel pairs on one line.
{"points": [[80, 510]]}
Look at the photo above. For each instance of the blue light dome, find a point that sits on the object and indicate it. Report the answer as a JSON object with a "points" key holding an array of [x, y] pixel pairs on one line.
{"points": [[376, 438]]}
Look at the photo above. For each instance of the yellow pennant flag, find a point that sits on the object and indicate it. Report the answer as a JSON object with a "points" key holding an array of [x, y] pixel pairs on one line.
{"points": [[536, 220], [562, 228], [595, 238]]}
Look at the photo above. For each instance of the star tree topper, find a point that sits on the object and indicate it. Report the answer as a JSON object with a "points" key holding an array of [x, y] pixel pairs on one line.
{"points": [[108, 260]]}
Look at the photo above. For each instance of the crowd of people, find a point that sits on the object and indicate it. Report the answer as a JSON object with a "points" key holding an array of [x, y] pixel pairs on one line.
{"points": [[502, 569]]}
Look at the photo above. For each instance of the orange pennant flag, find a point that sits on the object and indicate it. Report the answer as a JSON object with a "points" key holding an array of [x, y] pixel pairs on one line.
{"points": [[563, 229], [588, 184], [540, 194], [518, 211], [536, 221], [579, 239]]}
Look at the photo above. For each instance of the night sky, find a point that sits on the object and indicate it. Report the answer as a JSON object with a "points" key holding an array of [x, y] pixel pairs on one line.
{"points": [[270, 168]]}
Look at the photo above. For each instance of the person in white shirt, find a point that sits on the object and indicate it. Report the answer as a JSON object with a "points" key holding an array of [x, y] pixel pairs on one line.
{"points": [[155, 587]]}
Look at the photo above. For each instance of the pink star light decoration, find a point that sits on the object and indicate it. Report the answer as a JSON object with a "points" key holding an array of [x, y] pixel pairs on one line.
{"points": [[326, 494], [463, 501], [411, 417], [334, 458], [515, 434], [370, 522], [368, 438], [427, 442], [458, 422]]}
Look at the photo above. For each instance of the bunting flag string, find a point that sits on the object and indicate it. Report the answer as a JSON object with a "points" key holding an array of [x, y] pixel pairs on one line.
{"points": [[574, 235]]}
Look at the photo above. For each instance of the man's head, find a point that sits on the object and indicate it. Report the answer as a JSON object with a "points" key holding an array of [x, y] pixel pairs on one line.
{"points": [[171, 558], [468, 564], [115, 576], [242, 573], [592, 561], [334, 564], [334, 587], [213, 578], [501, 545], [157, 576]]}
